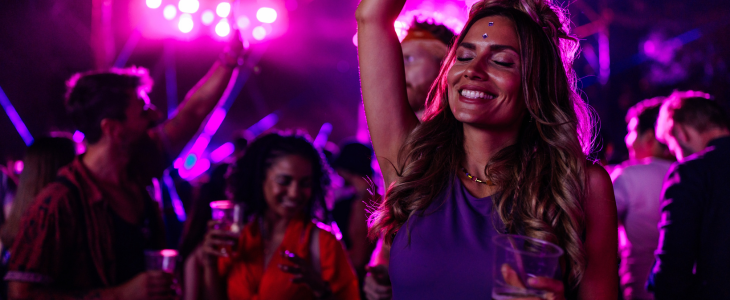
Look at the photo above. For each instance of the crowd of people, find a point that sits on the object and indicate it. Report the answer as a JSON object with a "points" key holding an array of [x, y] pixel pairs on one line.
{"points": [[477, 133]]}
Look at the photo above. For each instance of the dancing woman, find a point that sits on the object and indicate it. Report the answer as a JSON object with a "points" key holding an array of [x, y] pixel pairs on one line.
{"points": [[502, 149]]}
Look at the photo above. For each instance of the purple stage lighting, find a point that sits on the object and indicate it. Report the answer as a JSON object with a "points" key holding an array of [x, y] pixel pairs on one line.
{"points": [[19, 165], [15, 118], [222, 29], [323, 135], [222, 152], [215, 120], [78, 136], [223, 9], [188, 6], [199, 168], [177, 205], [186, 23], [207, 17], [169, 12], [243, 22], [266, 15], [153, 3], [259, 33]]}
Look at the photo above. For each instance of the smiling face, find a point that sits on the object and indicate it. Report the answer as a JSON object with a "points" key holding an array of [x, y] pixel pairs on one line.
{"points": [[484, 82], [288, 185]]}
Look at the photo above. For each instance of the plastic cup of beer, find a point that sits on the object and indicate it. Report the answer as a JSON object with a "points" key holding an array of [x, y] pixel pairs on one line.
{"points": [[228, 217], [160, 260], [516, 259]]}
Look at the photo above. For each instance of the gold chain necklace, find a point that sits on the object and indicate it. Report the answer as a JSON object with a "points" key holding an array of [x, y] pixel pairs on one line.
{"points": [[475, 179]]}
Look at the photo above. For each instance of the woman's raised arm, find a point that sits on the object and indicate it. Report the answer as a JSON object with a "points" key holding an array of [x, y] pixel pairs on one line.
{"points": [[382, 76]]}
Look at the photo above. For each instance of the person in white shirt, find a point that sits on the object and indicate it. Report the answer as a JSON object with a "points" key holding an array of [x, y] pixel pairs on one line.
{"points": [[637, 186]]}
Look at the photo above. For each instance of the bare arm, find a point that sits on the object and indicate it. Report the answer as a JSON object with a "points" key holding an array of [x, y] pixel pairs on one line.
{"points": [[600, 280], [382, 76], [200, 101]]}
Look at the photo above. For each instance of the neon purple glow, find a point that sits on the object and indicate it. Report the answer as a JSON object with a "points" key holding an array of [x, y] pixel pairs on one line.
{"points": [[221, 204], [207, 17], [200, 144], [215, 120], [19, 166], [15, 118], [78, 136], [264, 124], [188, 6], [157, 194], [223, 9], [178, 163], [259, 33], [168, 253], [243, 22], [222, 29], [604, 58], [199, 168], [222, 152], [186, 23], [153, 3], [177, 205], [323, 135], [169, 12], [266, 15]]}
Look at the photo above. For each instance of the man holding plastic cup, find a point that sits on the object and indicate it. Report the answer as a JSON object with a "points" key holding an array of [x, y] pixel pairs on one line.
{"points": [[86, 234]]}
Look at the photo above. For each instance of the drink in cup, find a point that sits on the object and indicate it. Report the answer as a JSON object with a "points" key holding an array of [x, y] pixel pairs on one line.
{"points": [[521, 257], [229, 218], [160, 260]]}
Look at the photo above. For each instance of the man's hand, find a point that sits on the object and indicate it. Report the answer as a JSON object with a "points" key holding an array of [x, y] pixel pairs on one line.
{"points": [[377, 283], [155, 285]]}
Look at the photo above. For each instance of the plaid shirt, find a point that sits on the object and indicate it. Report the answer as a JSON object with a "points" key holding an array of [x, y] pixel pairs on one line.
{"points": [[67, 236]]}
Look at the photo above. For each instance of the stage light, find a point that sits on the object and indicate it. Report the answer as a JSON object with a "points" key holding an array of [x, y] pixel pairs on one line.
{"points": [[223, 9], [266, 15], [259, 33], [243, 22], [222, 29], [222, 152], [78, 136], [188, 6], [19, 167], [154, 3], [207, 17], [169, 12], [186, 23]]}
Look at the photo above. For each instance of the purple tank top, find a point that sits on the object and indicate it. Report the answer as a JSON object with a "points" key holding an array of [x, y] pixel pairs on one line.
{"points": [[450, 251]]}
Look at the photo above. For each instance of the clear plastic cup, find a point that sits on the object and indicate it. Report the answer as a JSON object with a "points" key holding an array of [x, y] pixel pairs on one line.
{"points": [[229, 217], [160, 260], [521, 257]]}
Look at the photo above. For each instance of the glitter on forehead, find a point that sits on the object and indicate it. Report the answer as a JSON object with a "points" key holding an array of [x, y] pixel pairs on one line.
{"points": [[491, 23], [484, 36]]}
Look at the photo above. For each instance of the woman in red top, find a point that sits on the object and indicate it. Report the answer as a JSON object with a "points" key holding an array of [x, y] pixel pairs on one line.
{"points": [[280, 253]]}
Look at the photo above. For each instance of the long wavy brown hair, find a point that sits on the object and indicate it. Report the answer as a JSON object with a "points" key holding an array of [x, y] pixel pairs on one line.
{"points": [[542, 177]]}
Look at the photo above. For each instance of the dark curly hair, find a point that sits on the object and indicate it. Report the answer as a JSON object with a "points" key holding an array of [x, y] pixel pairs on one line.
{"points": [[247, 176]]}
